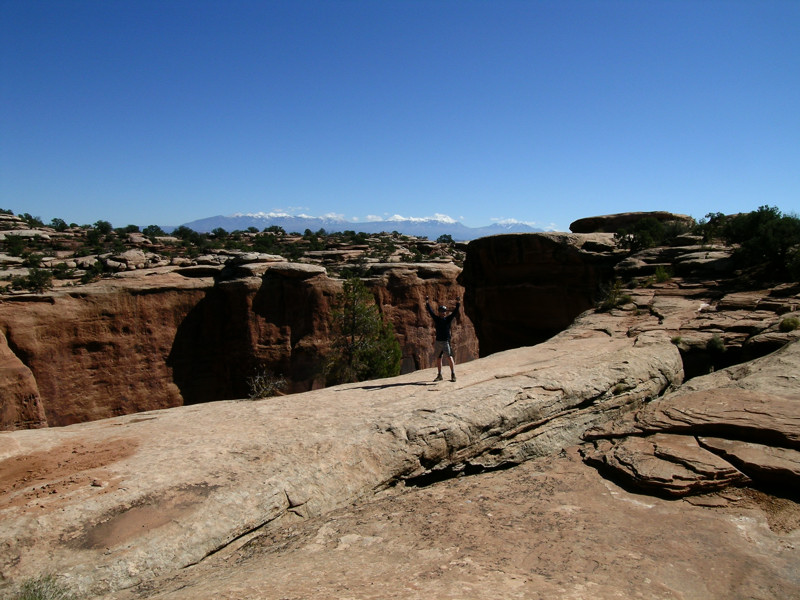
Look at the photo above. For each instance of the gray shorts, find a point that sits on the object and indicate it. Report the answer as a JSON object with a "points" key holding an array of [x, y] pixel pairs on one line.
{"points": [[442, 347]]}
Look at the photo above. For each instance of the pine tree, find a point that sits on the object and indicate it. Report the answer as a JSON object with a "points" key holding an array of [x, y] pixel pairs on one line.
{"points": [[364, 345]]}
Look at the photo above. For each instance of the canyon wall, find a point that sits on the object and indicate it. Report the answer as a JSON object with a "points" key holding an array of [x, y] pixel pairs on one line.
{"points": [[522, 289], [92, 354], [157, 339]]}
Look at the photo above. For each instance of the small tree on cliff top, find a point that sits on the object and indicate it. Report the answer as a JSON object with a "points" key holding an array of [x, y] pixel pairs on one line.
{"points": [[364, 345]]}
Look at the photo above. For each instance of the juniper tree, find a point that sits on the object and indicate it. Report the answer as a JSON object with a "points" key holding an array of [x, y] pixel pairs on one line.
{"points": [[364, 345]]}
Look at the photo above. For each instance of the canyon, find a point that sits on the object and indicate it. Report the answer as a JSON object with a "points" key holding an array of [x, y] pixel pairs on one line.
{"points": [[654, 440]]}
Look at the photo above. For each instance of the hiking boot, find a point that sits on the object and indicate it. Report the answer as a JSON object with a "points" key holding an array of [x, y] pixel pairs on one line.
{"points": [[453, 377], [438, 377]]}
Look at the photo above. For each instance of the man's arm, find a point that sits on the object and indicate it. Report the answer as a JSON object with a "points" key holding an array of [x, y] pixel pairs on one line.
{"points": [[428, 306]]}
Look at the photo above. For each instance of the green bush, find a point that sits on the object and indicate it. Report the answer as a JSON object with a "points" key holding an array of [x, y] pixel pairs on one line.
{"points": [[716, 344], [103, 227], [649, 233], [613, 296], [152, 231], [93, 273], [31, 260], [765, 238], [62, 271], [789, 324], [662, 274], [58, 224], [364, 345], [37, 280], [44, 588], [32, 221], [15, 245]]}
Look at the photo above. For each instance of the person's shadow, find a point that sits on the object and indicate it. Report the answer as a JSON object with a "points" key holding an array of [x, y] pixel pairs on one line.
{"points": [[391, 385]]}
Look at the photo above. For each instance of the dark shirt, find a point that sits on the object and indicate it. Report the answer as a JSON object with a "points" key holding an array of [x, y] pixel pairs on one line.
{"points": [[442, 324]]}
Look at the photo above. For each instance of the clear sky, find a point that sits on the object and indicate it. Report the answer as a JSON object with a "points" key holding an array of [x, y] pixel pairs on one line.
{"points": [[161, 112]]}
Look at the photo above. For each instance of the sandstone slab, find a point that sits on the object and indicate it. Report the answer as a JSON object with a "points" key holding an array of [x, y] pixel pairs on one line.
{"points": [[748, 416], [179, 485], [549, 528]]}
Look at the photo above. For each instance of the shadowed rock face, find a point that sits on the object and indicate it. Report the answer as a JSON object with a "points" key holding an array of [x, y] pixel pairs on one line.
{"points": [[614, 223], [523, 289]]}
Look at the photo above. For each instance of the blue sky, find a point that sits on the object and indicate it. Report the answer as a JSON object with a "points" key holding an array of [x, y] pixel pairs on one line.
{"points": [[143, 112]]}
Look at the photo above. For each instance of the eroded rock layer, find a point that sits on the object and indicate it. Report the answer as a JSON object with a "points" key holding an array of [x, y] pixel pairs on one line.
{"points": [[164, 337]]}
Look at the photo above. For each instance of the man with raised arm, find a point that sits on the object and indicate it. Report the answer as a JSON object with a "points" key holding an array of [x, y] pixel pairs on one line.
{"points": [[442, 322]]}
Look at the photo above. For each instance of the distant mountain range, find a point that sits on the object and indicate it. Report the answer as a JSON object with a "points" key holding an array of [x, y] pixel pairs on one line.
{"points": [[430, 228]]}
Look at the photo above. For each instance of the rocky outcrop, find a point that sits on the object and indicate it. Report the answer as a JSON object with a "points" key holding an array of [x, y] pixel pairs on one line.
{"points": [[522, 289], [620, 221], [737, 425]]}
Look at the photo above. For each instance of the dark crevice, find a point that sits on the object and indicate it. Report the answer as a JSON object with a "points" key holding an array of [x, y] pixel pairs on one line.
{"points": [[20, 353], [453, 471]]}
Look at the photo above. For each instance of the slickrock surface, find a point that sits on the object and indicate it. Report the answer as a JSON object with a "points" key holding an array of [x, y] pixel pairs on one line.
{"points": [[114, 503], [547, 529]]}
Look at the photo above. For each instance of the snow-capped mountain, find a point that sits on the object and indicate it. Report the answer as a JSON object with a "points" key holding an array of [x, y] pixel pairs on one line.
{"points": [[431, 228]]}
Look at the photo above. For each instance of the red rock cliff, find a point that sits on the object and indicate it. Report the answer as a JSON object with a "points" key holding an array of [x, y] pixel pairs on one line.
{"points": [[161, 340]]}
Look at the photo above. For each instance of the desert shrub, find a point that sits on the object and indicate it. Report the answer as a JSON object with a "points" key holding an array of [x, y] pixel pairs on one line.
{"points": [[710, 228], [103, 227], [363, 344], [93, 273], [789, 324], [37, 280], [15, 245], [31, 261], [62, 271], [445, 238], [765, 238], [58, 224], [152, 231], [662, 274], [265, 384], [32, 221], [44, 588], [648, 233], [613, 296], [716, 344]]}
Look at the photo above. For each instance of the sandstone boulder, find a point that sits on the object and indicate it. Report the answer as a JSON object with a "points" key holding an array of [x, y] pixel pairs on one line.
{"points": [[614, 223]]}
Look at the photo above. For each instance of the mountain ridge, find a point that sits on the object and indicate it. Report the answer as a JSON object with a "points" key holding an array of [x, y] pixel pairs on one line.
{"points": [[431, 228]]}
